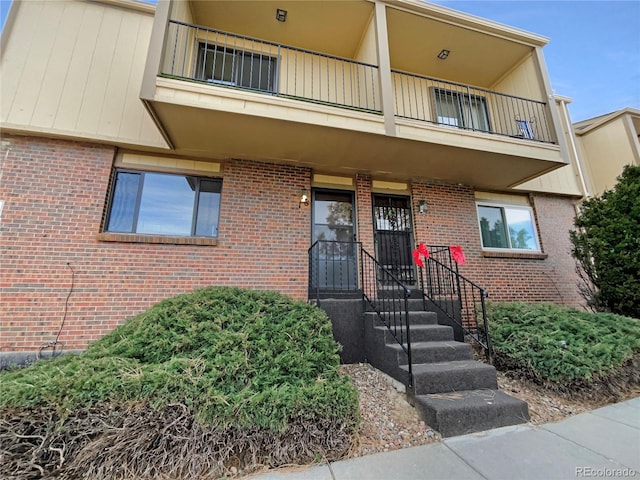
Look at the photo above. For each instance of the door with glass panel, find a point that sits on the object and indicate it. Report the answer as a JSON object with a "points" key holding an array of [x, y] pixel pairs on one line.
{"points": [[394, 236], [333, 264]]}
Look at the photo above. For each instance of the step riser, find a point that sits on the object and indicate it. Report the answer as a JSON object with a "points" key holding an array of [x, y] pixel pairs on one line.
{"points": [[463, 416], [454, 381], [462, 351], [437, 333], [415, 318]]}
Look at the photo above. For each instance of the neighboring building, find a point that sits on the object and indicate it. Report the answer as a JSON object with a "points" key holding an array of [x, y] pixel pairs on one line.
{"points": [[148, 151], [606, 144]]}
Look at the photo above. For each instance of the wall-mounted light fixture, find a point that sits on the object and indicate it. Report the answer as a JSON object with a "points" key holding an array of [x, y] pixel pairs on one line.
{"points": [[304, 198], [281, 15], [443, 54], [422, 207]]}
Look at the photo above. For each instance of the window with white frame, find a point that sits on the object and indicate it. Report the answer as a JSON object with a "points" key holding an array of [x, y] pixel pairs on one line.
{"points": [[507, 227], [164, 204], [460, 109], [240, 68]]}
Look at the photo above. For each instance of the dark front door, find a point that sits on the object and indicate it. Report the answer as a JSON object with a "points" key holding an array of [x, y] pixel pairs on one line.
{"points": [[334, 264], [394, 235]]}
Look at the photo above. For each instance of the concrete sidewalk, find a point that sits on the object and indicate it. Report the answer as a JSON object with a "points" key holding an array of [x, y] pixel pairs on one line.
{"points": [[604, 443]]}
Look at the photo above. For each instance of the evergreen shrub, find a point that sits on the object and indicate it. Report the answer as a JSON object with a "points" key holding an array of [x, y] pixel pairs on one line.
{"points": [[249, 377], [569, 351]]}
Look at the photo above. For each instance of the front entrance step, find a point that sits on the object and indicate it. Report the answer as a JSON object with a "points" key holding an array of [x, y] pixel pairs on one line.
{"points": [[415, 318], [419, 333], [458, 413], [431, 352], [452, 376]]}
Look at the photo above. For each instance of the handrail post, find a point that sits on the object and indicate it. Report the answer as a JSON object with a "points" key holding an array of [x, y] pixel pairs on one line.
{"points": [[484, 295], [407, 294]]}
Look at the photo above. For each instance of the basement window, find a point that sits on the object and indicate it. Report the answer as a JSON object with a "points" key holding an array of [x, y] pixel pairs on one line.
{"points": [[507, 227], [164, 204], [238, 68]]}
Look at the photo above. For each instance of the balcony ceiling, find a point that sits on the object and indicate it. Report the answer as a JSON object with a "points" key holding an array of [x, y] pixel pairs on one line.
{"points": [[476, 58], [334, 28]]}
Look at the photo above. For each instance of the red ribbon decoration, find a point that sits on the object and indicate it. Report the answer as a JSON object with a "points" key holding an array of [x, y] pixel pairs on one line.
{"points": [[418, 253], [457, 254]]}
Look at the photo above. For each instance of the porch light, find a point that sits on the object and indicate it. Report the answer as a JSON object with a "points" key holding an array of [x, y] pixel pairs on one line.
{"points": [[443, 54], [281, 15], [304, 198], [422, 207]]}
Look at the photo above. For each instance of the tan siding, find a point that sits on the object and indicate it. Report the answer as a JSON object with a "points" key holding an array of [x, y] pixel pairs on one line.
{"points": [[74, 68], [367, 51], [606, 150], [564, 180], [522, 81]]}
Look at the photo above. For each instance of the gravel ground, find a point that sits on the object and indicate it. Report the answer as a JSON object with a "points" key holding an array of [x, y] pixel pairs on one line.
{"points": [[389, 422]]}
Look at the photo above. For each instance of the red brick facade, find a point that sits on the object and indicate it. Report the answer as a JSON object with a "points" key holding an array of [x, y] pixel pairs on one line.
{"points": [[55, 195], [451, 219]]}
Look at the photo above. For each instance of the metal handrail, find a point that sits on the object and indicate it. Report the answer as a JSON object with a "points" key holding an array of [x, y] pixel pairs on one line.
{"points": [[388, 297], [460, 299], [380, 289]]}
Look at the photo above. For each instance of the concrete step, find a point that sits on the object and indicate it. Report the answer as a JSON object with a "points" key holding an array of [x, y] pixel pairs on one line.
{"points": [[455, 376], [458, 413], [415, 317], [419, 333], [432, 352], [398, 293]]}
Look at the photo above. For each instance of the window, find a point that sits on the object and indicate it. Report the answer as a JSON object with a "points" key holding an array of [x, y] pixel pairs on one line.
{"points": [[164, 204], [227, 66], [461, 110], [507, 227]]}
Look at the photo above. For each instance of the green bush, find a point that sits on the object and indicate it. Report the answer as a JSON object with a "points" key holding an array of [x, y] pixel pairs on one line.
{"points": [[606, 245], [235, 357], [200, 382], [562, 348]]}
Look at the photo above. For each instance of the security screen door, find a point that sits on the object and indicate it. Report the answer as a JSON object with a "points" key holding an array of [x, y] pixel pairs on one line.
{"points": [[394, 235]]}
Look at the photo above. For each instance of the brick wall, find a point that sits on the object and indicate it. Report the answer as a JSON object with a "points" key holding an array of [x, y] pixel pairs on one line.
{"points": [[451, 219], [54, 194]]}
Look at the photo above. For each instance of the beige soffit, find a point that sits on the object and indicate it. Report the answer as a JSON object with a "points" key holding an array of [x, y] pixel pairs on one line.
{"points": [[470, 21], [585, 126]]}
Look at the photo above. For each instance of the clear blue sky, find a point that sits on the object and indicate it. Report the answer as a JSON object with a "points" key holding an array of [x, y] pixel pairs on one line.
{"points": [[594, 53]]}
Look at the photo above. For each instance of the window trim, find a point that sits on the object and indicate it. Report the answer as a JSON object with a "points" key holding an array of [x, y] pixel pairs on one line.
{"points": [[465, 119], [109, 235], [502, 206]]}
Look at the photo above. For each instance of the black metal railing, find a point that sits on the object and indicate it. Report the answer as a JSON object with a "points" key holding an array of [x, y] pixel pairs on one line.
{"points": [[333, 267], [337, 267], [236, 61], [386, 295], [463, 106], [460, 299]]}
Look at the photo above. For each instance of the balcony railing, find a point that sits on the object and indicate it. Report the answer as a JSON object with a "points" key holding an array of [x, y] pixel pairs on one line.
{"points": [[229, 60], [236, 61], [463, 106]]}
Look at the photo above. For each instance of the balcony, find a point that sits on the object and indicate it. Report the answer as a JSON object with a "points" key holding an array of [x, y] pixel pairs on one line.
{"points": [[236, 61], [221, 94]]}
